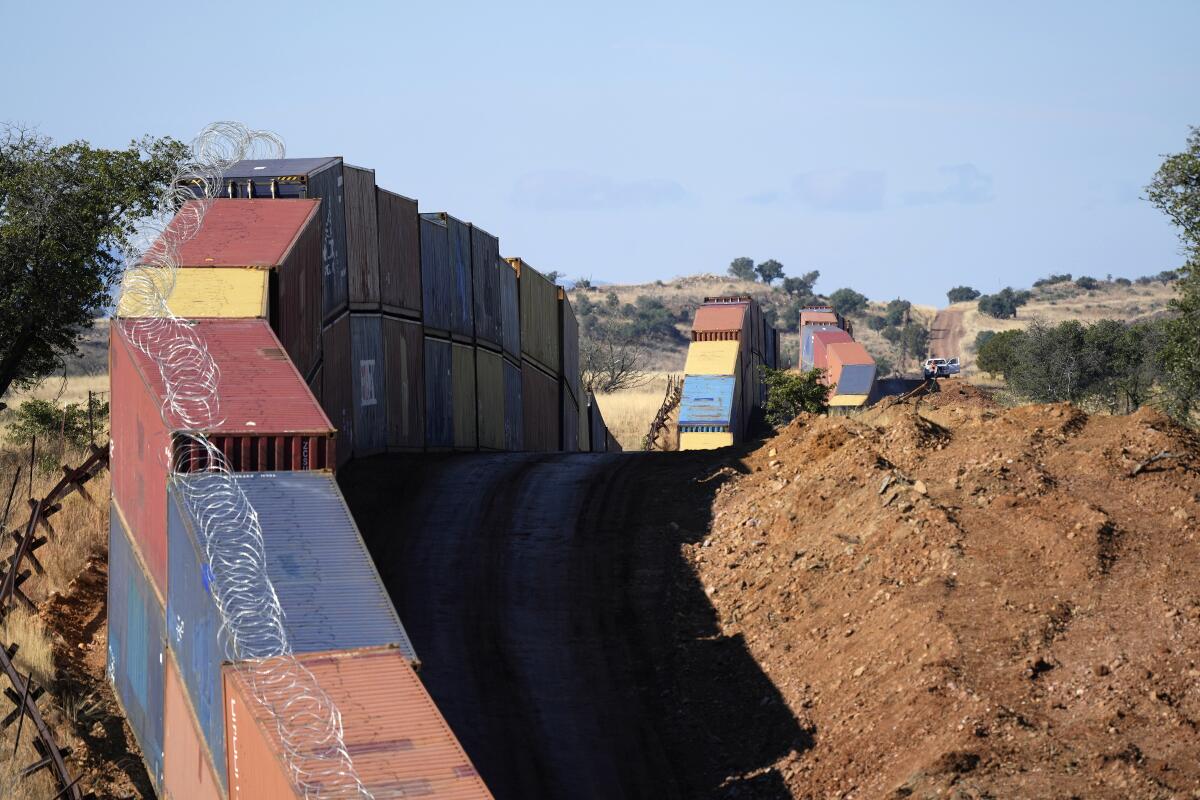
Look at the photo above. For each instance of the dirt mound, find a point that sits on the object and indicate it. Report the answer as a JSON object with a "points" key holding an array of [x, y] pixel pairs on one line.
{"points": [[972, 602]]}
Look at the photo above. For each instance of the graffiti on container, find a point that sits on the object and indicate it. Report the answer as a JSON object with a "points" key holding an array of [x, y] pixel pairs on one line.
{"points": [[366, 376], [304, 454]]}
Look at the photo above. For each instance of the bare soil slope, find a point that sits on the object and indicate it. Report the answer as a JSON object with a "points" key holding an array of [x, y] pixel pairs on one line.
{"points": [[963, 601]]}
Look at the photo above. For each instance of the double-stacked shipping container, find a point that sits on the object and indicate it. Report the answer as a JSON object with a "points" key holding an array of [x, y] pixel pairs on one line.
{"points": [[827, 343]]}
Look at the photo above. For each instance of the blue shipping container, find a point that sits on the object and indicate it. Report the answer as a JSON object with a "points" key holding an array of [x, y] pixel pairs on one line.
{"points": [[328, 588], [436, 281], [367, 375], [136, 633], [514, 409], [462, 310], [439, 393], [708, 400], [856, 379]]}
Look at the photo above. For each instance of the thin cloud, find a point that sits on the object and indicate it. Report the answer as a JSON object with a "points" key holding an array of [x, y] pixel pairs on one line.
{"points": [[564, 190], [967, 185], [849, 190]]}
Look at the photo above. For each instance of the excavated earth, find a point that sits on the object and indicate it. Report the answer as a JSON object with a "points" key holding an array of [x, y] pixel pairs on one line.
{"points": [[960, 600]]}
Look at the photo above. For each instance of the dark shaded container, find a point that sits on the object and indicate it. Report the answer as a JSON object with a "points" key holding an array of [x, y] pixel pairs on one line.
{"points": [[362, 238], [584, 428], [569, 443], [597, 429], [462, 366], [370, 392], [510, 310], [337, 383], [489, 391], [306, 178], [541, 408], [399, 254], [514, 421], [269, 421], [462, 310], [404, 356], [439, 394], [314, 382], [136, 633], [568, 344], [539, 318], [437, 283], [485, 279], [326, 583]]}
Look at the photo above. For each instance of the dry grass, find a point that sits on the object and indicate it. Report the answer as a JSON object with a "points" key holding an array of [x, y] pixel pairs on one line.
{"points": [[628, 414]]}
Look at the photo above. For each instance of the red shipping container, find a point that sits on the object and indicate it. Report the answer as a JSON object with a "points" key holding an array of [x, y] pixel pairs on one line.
{"points": [[269, 421], [722, 322], [188, 769], [821, 342]]}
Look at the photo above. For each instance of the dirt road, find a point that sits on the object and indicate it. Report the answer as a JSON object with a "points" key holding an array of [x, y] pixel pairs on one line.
{"points": [[945, 338], [562, 634]]}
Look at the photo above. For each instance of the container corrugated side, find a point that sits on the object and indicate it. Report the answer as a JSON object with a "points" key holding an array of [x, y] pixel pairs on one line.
{"points": [[189, 769], [510, 310], [367, 369], [568, 344], [362, 237], [437, 292], [399, 254], [489, 390], [539, 318], [723, 321], [485, 277], [569, 442], [712, 358], [337, 384], [806, 342], [514, 420], [462, 376], [820, 345], [584, 443], [597, 428], [541, 409], [404, 356], [708, 400], [462, 307], [439, 394], [209, 292], [326, 583], [400, 743], [136, 632]]}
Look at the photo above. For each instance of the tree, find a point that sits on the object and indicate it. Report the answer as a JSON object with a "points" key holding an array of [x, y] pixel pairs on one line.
{"points": [[610, 359], [64, 211], [791, 393], [769, 270], [802, 286], [896, 311], [742, 268], [611, 301], [1003, 304], [1087, 282], [996, 354], [847, 301], [553, 276], [961, 294]]}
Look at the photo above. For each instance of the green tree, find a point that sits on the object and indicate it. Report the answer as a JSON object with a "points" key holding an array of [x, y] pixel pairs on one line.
{"points": [[742, 268], [803, 285], [553, 276], [961, 294], [64, 211], [1087, 282], [998, 352], [896, 311], [791, 393], [847, 301], [769, 270], [1003, 304]]}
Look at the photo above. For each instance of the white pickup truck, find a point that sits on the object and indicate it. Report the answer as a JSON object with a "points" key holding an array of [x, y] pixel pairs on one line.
{"points": [[940, 367]]}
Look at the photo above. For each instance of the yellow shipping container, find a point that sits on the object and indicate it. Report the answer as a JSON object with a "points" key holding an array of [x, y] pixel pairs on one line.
{"points": [[704, 440], [848, 400], [712, 358], [201, 292]]}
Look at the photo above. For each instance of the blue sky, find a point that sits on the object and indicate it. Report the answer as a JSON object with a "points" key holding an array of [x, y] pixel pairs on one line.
{"points": [[899, 148]]}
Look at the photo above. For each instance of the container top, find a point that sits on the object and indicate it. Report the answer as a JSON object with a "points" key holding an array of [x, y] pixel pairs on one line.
{"points": [[712, 358], [828, 337], [741, 298], [328, 587], [819, 317], [817, 308], [399, 741], [723, 317], [243, 233], [707, 400], [848, 353], [280, 167], [260, 391]]}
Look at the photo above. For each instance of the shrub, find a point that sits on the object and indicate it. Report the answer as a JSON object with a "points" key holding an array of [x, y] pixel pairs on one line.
{"points": [[791, 393], [961, 294], [1087, 282], [1003, 304], [1123, 282], [896, 310], [876, 322], [1053, 279]]}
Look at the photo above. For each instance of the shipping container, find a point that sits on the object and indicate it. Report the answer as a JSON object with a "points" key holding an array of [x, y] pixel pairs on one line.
{"points": [[319, 569], [851, 372], [462, 310], [485, 277], [400, 744], [584, 429], [136, 634], [539, 318], [597, 428], [514, 422], [704, 440], [282, 238], [823, 315], [437, 282], [722, 322], [490, 416], [613, 446], [312, 178], [267, 420], [314, 382], [362, 238], [570, 421], [189, 768], [820, 344], [510, 310], [462, 366], [541, 408], [439, 394], [568, 344], [200, 292], [399, 254], [709, 400], [337, 383], [807, 358], [404, 356], [370, 392], [719, 357]]}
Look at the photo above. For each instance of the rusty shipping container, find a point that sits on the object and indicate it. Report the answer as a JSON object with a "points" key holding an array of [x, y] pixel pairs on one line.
{"points": [[514, 421], [268, 421], [370, 392], [399, 254], [723, 322], [284, 239], [462, 377], [404, 360], [321, 574], [136, 637], [437, 283], [439, 394], [313, 178], [188, 767], [568, 344], [539, 318], [337, 383], [490, 396], [541, 408], [485, 278], [510, 310], [400, 743], [362, 238]]}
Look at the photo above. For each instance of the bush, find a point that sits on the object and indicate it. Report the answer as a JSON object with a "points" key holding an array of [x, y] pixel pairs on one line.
{"points": [[1123, 282], [56, 428], [883, 366], [791, 393], [847, 301], [891, 333], [982, 338], [876, 322], [996, 354], [1087, 282], [1003, 304], [896, 311], [1053, 279], [961, 294]]}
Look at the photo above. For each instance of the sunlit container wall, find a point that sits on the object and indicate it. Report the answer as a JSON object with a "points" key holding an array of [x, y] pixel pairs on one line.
{"points": [[188, 767]]}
